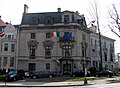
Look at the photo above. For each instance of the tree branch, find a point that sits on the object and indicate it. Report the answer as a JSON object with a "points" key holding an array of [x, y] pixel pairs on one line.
{"points": [[114, 31]]}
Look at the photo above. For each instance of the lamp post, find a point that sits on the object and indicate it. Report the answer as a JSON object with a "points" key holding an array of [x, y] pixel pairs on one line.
{"points": [[84, 47]]}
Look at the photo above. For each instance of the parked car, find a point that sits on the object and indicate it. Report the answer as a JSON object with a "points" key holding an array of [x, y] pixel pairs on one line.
{"points": [[106, 73], [15, 75], [80, 73], [41, 74]]}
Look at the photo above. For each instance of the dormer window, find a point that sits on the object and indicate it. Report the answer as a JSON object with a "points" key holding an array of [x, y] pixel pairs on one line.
{"points": [[49, 20], [35, 21], [66, 19]]}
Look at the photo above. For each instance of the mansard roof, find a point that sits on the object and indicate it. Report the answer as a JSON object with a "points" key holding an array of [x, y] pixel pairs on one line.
{"points": [[55, 16]]}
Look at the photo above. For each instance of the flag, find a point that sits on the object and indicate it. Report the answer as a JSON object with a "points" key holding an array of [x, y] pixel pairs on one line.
{"points": [[58, 34], [67, 35], [2, 33], [55, 34], [52, 34]]}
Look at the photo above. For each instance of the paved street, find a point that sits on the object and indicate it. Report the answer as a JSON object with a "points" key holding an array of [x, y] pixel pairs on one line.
{"points": [[106, 83]]}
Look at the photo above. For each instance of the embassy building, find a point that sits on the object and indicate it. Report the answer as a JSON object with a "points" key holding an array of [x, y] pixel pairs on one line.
{"points": [[54, 41]]}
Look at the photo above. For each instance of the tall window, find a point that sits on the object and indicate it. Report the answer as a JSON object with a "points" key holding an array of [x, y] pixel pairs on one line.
{"points": [[111, 57], [11, 61], [105, 56], [47, 66], [83, 52], [12, 47], [67, 50], [33, 35], [32, 52], [4, 61], [91, 41], [6, 47], [48, 35], [32, 66], [48, 52], [83, 37]]}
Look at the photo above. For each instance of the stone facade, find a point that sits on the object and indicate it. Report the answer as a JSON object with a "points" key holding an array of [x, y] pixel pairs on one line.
{"points": [[8, 47]]}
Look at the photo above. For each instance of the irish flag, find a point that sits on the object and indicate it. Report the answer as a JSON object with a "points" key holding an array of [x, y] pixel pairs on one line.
{"points": [[55, 34]]}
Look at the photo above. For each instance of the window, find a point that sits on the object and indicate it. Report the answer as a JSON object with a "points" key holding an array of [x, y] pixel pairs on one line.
{"points": [[49, 20], [48, 66], [35, 21], [66, 19], [83, 52], [106, 67], [1, 47], [6, 47], [105, 56], [11, 61], [0, 61], [12, 36], [32, 66], [67, 50], [4, 61], [48, 52], [9, 36], [48, 35], [32, 52], [12, 47], [33, 35], [94, 64], [83, 37], [91, 41], [111, 57]]}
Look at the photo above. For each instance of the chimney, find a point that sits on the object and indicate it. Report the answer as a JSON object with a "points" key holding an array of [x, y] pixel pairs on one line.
{"points": [[59, 9], [25, 8]]}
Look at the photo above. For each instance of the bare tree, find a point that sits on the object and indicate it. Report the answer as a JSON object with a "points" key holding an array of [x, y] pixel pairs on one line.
{"points": [[95, 15], [115, 20]]}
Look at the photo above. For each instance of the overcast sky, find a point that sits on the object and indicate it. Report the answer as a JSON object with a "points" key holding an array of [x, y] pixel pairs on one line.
{"points": [[12, 10]]}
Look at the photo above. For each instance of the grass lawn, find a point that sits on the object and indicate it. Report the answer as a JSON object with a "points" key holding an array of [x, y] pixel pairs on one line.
{"points": [[61, 79]]}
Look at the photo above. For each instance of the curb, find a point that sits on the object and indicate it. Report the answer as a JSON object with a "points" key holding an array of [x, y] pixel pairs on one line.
{"points": [[43, 86]]}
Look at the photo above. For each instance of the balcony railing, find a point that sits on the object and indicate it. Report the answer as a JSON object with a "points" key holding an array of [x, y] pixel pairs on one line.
{"points": [[61, 39]]}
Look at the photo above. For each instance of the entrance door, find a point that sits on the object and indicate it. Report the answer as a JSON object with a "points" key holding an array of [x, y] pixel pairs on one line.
{"points": [[66, 69]]}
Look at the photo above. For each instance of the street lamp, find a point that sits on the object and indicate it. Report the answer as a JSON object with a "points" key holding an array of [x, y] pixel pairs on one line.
{"points": [[84, 47]]}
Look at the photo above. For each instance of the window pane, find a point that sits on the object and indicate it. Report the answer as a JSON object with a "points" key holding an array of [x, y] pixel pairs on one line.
{"points": [[1, 47], [33, 36], [11, 61], [32, 66], [12, 47], [4, 61], [5, 47], [9, 36], [32, 52], [48, 66], [48, 35]]}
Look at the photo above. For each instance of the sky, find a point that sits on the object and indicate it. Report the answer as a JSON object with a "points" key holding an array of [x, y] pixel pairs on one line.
{"points": [[12, 10]]}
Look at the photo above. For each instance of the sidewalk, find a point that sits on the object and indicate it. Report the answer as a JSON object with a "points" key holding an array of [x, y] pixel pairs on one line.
{"points": [[22, 83]]}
